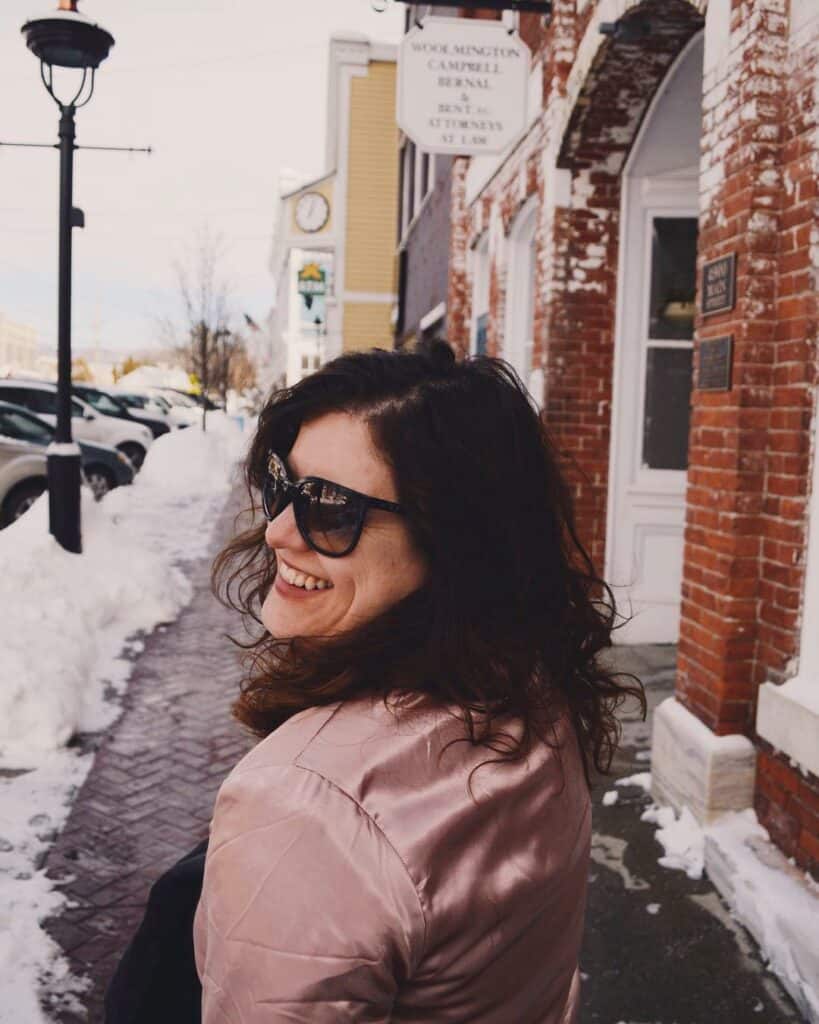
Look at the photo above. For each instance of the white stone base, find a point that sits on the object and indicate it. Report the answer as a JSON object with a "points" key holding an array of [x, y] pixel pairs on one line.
{"points": [[692, 767], [773, 900], [788, 718]]}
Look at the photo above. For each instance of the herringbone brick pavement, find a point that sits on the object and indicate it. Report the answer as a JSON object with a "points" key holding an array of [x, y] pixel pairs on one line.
{"points": [[149, 796]]}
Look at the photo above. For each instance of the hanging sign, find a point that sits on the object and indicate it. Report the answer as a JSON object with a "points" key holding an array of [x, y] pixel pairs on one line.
{"points": [[462, 86], [312, 280]]}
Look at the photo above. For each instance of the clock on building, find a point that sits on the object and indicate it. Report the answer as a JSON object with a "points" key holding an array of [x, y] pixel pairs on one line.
{"points": [[312, 212]]}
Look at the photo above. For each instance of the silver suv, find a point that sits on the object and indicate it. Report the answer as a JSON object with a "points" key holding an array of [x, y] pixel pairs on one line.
{"points": [[22, 477]]}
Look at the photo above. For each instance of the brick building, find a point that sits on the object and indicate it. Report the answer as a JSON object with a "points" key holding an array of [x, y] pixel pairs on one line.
{"points": [[665, 135]]}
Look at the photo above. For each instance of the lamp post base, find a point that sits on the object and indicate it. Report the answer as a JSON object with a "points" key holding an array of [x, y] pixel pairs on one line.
{"points": [[64, 495]]}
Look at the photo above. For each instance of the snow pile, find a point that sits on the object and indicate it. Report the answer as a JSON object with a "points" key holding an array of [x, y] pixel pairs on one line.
{"points": [[35, 806], [641, 779], [66, 617], [66, 622], [681, 837], [775, 901]]}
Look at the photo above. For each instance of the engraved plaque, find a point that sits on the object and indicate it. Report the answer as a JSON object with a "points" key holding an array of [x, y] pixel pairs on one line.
{"points": [[719, 284], [714, 366]]}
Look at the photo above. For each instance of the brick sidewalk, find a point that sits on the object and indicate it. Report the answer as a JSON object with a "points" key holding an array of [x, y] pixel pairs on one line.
{"points": [[149, 796]]}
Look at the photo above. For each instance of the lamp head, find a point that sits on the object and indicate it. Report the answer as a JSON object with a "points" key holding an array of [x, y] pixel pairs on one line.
{"points": [[66, 39]]}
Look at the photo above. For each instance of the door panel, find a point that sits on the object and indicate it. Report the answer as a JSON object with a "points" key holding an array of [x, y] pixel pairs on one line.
{"points": [[652, 407]]}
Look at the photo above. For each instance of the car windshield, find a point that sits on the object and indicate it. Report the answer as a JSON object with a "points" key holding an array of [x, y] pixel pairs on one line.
{"points": [[133, 401], [177, 398], [102, 402], [24, 428]]}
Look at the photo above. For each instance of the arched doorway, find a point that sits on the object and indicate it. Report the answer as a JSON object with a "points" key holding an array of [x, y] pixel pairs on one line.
{"points": [[653, 356]]}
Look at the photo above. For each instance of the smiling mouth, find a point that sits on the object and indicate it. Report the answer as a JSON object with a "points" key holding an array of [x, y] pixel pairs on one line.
{"points": [[302, 580]]}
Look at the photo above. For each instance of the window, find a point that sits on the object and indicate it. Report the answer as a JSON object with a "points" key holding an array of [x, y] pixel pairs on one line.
{"points": [[24, 428], [102, 403], [305, 363], [670, 330], [40, 401]]}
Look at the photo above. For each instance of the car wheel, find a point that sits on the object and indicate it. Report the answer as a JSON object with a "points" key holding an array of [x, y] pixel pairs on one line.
{"points": [[20, 499], [99, 480], [134, 451]]}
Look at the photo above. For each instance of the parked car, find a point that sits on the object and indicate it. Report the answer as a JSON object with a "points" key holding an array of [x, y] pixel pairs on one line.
{"points": [[103, 467], [154, 406], [184, 411], [108, 404], [203, 401], [22, 477], [130, 437]]}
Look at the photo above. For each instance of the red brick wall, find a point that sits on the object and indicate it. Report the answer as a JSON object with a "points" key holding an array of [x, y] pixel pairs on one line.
{"points": [[749, 453], [787, 804]]}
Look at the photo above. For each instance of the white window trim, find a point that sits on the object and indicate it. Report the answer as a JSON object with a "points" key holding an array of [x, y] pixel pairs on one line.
{"points": [[788, 714], [518, 334], [407, 226]]}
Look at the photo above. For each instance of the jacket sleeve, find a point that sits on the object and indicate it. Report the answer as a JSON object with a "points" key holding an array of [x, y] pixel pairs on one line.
{"points": [[307, 912]]}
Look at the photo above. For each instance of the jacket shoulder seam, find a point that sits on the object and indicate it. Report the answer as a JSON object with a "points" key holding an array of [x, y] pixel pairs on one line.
{"points": [[387, 840]]}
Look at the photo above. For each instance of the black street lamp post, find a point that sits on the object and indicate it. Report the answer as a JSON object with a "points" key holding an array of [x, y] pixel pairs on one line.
{"points": [[66, 39]]}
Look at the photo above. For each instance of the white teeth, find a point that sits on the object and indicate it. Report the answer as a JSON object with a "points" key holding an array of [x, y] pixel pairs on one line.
{"points": [[303, 580]]}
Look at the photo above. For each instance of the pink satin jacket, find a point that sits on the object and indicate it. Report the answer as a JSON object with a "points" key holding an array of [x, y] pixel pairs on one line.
{"points": [[351, 877]]}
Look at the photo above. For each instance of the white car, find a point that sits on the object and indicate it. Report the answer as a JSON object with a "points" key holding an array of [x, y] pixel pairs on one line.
{"points": [[184, 411], [131, 438], [144, 404]]}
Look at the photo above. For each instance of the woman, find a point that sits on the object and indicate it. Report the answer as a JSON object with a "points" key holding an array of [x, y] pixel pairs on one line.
{"points": [[426, 604]]}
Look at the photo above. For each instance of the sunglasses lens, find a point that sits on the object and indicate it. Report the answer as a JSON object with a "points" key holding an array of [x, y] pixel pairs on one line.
{"points": [[274, 489], [331, 518]]}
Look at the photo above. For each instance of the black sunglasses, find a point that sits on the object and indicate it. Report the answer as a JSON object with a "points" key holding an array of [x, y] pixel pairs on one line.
{"points": [[329, 517]]}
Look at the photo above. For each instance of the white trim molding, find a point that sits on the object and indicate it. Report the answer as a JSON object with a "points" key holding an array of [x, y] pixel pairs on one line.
{"points": [[432, 317], [788, 715]]}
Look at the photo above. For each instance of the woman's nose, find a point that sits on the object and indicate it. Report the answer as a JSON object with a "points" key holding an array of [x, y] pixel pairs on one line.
{"points": [[282, 531]]}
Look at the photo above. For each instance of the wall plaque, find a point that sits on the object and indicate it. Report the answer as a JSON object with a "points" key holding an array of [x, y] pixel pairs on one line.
{"points": [[715, 362], [719, 284]]}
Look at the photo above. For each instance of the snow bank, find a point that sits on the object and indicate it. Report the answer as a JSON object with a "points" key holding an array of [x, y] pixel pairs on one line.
{"points": [[35, 806], [65, 625], [66, 617], [777, 903], [681, 837]]}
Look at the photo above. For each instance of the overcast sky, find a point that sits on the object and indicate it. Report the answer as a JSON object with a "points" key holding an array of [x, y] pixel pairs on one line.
{"points": [[228, 92]]}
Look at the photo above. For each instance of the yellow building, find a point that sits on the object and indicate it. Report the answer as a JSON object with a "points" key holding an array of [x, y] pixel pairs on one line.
{"points": [[348, 217]]}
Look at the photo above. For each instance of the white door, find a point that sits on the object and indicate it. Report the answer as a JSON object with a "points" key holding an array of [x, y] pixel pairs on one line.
{"points": [[653, 356]]}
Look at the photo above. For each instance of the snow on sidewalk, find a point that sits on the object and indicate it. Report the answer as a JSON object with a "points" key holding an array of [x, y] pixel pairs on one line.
{"points": [[775, 901], [65, 625]]}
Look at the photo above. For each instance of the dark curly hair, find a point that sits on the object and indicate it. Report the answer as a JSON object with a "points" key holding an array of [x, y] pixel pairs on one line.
{"points": [[512, 618]]}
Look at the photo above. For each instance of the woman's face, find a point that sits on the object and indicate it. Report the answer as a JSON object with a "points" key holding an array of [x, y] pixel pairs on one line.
{"points": [[384, 566]]}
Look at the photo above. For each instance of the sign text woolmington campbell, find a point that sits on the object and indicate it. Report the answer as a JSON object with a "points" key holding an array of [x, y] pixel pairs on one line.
{"points": [[462, 86]]}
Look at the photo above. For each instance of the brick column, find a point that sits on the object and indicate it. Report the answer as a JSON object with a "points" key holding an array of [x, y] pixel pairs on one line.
{"points": [[734, 551]]}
